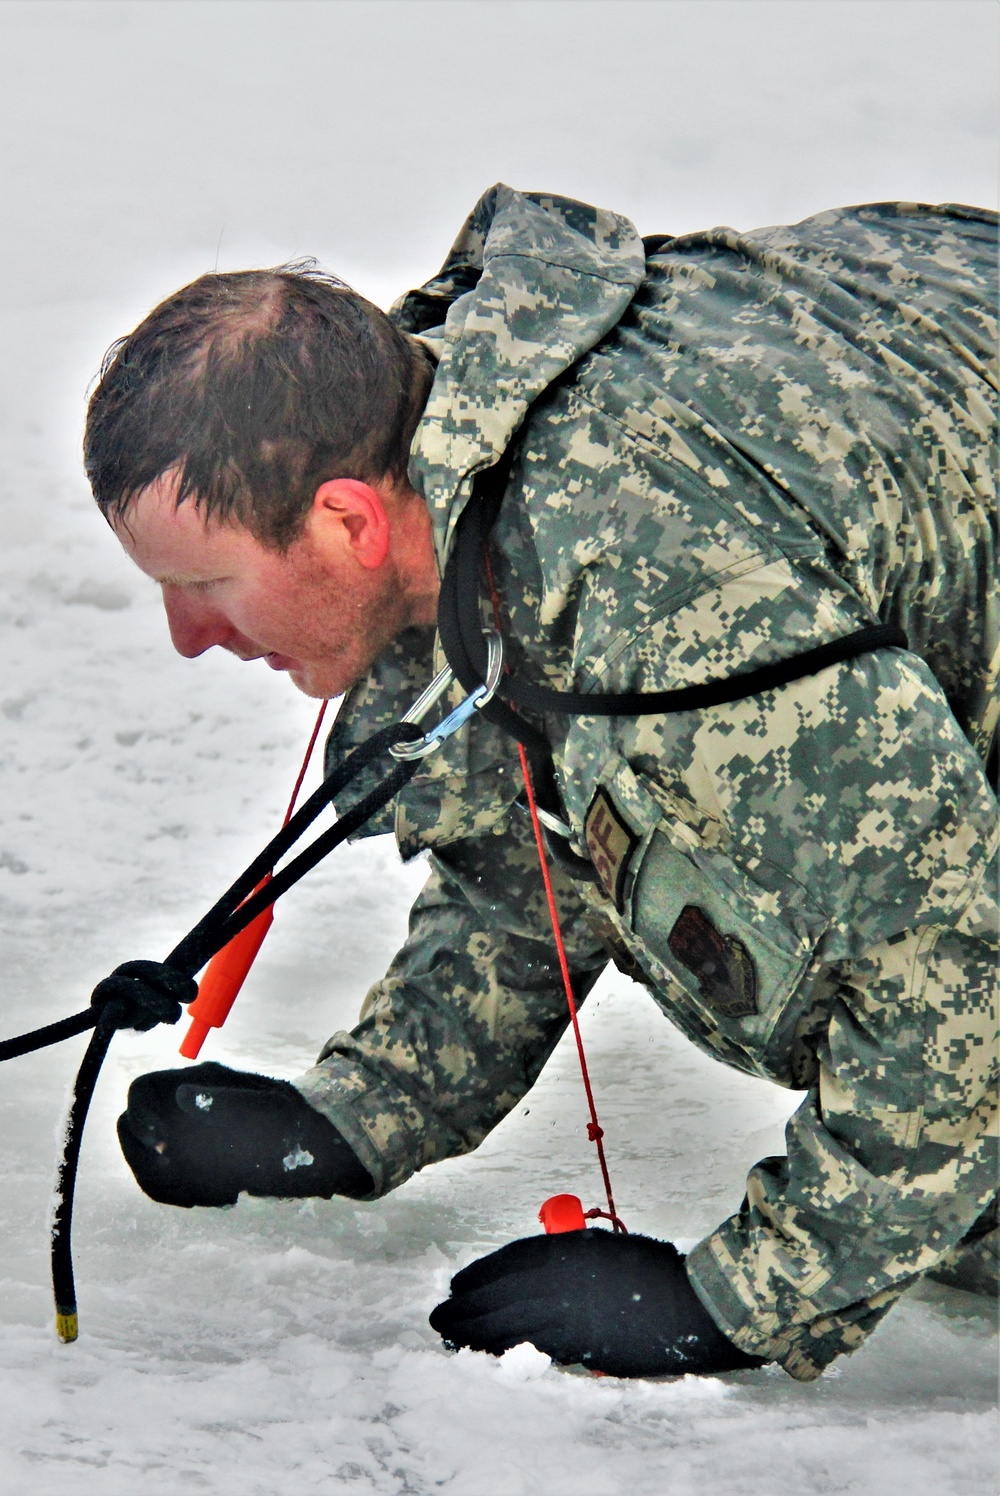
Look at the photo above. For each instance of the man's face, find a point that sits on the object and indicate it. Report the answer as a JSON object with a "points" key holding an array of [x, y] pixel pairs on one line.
{"points": [[311, 610]]}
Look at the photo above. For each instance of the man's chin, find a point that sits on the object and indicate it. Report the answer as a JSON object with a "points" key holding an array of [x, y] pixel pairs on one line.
{"points": [[310, 683], [320, 681], [312, 678], [323, 678]]}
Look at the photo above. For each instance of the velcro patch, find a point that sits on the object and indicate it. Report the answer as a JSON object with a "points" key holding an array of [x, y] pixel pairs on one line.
{"points": [[611, 843], [727, 977]]}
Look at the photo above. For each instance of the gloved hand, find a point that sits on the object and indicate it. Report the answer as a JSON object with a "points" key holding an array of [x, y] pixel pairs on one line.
{"points": [[617, 1304], [200, 1135]]}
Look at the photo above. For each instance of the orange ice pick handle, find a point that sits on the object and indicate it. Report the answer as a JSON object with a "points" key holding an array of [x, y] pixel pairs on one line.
{"points": [[224, 976], [228, 970], [562, 1213]]}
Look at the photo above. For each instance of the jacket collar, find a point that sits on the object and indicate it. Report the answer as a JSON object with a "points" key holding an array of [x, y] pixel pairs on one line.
{"points": [[531, 283]]}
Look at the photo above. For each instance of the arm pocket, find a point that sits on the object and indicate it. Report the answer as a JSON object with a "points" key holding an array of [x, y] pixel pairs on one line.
{"points": [[708, 929], [726, 952]]}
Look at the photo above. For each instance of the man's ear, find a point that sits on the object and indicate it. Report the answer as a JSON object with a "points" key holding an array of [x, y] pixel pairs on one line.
{"points": [[351, 516]]}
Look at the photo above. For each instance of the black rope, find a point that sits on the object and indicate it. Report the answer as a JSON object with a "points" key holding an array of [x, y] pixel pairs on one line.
{"points": [[63, 1279], [235, 910], [459, 623], [142, 994], [52, 1033], [239, 905]]}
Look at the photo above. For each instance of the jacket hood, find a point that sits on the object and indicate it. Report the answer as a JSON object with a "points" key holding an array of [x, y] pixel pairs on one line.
{"points": [[531, 283]]}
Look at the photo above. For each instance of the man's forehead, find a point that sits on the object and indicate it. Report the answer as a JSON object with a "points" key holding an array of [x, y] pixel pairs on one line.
{"points": [[167, 538]]}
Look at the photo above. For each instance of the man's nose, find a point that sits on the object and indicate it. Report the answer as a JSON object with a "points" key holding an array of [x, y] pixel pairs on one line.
{"points": [[195, 625]]}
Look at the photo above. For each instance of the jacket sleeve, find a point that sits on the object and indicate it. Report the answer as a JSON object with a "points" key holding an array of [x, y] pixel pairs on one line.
{"points": [[466, 1016], [877, 809], [824, 914], [892, 1155]]}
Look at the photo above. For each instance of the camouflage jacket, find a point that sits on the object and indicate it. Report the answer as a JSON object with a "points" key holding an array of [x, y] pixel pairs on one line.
{"points": [[727, 453]]}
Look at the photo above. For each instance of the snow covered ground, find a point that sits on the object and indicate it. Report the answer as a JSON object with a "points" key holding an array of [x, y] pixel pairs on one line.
{"points": [[282, 1347]]}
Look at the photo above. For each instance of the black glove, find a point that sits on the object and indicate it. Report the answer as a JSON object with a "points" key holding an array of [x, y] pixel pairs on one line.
{"points": [[200, 1135], [617, 1304]]}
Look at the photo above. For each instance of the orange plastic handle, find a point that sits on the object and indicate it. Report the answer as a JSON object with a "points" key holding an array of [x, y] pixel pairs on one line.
{"points": [[224, 976], [228, 970], [562, 1213]]}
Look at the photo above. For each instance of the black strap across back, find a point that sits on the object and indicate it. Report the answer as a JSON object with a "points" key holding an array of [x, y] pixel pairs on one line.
{"points": [[464, 644]]}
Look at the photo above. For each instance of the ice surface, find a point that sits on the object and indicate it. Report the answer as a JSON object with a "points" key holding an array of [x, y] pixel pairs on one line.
{"points": [[281, 1347]]}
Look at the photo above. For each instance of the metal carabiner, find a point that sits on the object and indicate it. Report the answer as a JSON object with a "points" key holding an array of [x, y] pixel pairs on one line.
{"points": [[461, 714]]}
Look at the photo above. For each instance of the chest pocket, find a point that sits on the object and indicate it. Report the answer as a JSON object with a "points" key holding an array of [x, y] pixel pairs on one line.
{"points": [[726, 953]]}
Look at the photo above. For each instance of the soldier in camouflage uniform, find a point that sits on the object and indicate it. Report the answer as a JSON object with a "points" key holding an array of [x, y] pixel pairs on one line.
{"points": [[728, 451]]}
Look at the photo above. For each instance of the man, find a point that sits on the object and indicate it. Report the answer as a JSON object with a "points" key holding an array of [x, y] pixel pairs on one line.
{"points": [[724, 452]]}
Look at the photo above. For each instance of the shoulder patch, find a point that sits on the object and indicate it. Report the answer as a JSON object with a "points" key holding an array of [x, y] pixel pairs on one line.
{"points": [[611, 843], [722, 964]]}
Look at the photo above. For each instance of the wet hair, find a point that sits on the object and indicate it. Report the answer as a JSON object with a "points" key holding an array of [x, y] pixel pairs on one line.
{"points": [[255, 387]]}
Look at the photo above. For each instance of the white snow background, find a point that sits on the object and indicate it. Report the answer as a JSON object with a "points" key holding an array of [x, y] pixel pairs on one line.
{"points": [[281, 1347]]}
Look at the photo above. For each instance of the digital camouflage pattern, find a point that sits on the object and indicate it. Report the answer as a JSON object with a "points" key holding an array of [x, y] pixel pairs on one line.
{"points": [[741, 448]]}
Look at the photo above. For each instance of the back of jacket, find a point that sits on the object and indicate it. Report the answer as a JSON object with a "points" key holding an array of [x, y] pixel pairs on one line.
{"points": [[783, 436]]}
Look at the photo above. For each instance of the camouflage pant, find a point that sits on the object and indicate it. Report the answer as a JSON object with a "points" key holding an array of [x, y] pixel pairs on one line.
{"points": [[974, 1265]]}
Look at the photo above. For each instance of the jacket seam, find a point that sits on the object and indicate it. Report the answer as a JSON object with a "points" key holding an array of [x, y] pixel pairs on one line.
{"points": [[491, 256]]}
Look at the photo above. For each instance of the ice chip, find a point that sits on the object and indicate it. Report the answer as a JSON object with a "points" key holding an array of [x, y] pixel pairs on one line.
{"points": [[298, 1158], [524, 1362]]}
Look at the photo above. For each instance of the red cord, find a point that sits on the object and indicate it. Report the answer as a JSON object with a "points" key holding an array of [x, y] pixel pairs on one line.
{"points": [[595, 1131], [305, 761]]}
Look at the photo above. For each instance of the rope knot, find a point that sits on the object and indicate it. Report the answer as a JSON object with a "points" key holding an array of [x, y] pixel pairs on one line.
{"points": [[594, 1131], [146, 992], [608, 1215]]}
